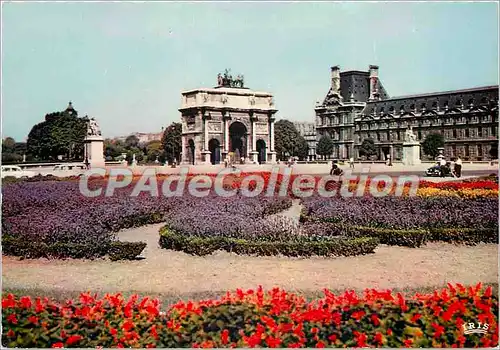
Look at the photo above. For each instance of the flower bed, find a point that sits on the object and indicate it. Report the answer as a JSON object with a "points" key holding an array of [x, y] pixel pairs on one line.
{"points": [[405, 221], [54, 220], [256, 318]]}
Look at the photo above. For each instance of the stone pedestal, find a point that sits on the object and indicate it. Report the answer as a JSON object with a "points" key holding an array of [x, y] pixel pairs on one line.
{"points": [[206, 157], [411, 153], [272, 157], [254, 156], [94, 151]]}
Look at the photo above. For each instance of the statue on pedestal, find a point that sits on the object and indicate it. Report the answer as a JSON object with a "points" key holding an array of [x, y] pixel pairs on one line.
{"points": [[410, 136], [93, 128]]}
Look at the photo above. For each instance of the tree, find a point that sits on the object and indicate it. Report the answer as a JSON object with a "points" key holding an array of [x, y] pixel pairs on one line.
{"points": [[367, 148], [8, 145], [431, 144], [154, 150], [325, 146], [113, 148], [131, 141], [11, 153], [288, 141], [62, 133], [302, 149], [171, 142]]}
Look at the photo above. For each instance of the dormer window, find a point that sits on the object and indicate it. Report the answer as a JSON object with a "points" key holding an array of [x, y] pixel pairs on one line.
{"points": [[402, 108], [471, 102], [412, 107], [422, 107]]}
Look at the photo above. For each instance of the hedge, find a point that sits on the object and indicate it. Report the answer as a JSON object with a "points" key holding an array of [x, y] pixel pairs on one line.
{"points": [[256, 318], [36, 249], [413, 238], [207, 245]]}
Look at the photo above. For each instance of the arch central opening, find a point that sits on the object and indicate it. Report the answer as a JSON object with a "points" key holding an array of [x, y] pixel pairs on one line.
{"points": [[238, 139]]}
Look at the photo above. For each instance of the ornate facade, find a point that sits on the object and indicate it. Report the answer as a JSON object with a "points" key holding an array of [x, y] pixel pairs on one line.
{"points": [[222, 120], [357, 107], [308, 131]]}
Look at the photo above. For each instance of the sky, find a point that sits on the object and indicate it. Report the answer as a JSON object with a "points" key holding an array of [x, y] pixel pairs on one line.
{"points": [[126, 63]]}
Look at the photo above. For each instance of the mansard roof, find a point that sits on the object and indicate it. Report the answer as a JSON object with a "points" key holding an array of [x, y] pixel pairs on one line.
{"points": [[473, 99], [357, 83]]}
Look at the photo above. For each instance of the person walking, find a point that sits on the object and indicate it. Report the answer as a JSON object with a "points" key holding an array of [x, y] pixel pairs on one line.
{"points": [[351, 162], [458, 167], [442, 166]]}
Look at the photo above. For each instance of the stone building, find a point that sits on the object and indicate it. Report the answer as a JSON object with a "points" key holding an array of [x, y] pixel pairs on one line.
{"points": [[227, 120], [357, 107], [308, 131]]}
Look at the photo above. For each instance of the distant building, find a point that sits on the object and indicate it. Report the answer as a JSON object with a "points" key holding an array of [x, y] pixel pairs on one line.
{"points": [[357, 107], [308, 131], [143, 136], [228, 120]]}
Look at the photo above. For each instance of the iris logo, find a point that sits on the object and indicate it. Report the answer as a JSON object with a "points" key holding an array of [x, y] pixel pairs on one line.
{"points": [[475, 328]]}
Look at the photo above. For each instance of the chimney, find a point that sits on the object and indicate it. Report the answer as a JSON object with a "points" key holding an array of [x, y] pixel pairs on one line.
{"points": [[374, 94], [335, 84]]}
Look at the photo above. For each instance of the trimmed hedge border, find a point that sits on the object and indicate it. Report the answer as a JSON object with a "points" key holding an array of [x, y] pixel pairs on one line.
{"points": [[412, 238], [34, 250], [204, 246]]}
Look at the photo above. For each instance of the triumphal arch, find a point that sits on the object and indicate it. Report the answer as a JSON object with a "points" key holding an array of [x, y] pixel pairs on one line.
{"points": [[229, 119]]}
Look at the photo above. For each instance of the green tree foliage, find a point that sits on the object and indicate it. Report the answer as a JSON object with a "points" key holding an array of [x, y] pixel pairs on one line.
{"points": [[154, 150], [287, 140], [431, 144], [131, 141], [12, 151], [62, 133], [172, 142], [367, 148], [113, 149], [325, 146]]}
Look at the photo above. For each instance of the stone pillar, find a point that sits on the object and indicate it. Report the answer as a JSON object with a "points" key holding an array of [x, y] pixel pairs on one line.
{"points": [[254, 153], [206, 153], [272, 153], [226, 135], [184, 159]]}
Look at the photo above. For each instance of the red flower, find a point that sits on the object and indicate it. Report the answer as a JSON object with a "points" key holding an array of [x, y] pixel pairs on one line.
{"points": [[415, 318], [358, 315], [320, 344], [360, 339], [12, 319], [128, 325], [408, 343], [113, 331], [10, 333], [33, 319], [224, 336], [375, 320], [389, 331], [150, 346], [73, 339], [332, 338], [58, 345], [378, 338], [439, 330], [314, 330], [273, 342], [9, 302], [25, 302]]}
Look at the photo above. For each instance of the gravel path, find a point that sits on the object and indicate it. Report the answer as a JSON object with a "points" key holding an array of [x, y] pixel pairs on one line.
{"points": [[165, 271]]}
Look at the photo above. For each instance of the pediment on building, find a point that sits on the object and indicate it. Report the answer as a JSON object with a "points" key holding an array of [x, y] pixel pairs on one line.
{"points": [[332, 99], [478, 109], [408, 115], [453, 111], [429, 113]]}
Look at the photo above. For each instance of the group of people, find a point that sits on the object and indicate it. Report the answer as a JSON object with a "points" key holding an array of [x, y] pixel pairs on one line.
{"points": [[454, 168]]}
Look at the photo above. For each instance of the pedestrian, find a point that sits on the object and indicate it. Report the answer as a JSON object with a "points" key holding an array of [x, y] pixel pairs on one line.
{"points": [[453, 167], [442, 166], [334, 167], [458, 167], [351, 162]]}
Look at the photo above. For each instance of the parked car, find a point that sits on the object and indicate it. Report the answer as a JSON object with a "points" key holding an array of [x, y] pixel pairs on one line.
{"points": [[16, 171], [67, 170], [435, 171]]}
